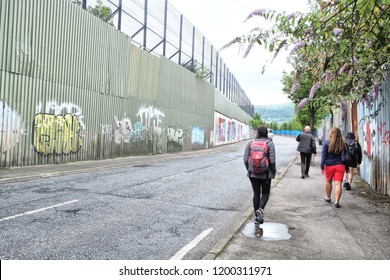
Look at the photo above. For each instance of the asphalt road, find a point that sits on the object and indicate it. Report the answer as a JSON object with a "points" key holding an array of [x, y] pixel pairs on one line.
{"points": [[174, 209]]}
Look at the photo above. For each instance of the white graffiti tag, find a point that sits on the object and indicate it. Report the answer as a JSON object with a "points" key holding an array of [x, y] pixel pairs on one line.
{"points": [[52, 107], [150, 117], [123, 130]]}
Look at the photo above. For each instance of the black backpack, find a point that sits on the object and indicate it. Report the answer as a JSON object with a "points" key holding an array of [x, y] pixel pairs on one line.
{"points": [[352, 149]]}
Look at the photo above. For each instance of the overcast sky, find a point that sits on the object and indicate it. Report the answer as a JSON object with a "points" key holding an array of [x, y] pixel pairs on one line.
{"points": [[222, 20]]}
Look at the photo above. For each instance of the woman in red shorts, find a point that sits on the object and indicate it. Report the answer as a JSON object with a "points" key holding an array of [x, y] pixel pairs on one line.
{"points": [[332, 165]]}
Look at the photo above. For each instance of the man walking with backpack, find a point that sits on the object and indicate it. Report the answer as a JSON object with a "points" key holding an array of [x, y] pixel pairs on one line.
{"points": [[355, 153], [259, 160]]}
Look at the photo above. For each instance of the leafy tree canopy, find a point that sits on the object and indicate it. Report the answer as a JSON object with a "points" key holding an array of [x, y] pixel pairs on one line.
{"points": [[344, 44]]}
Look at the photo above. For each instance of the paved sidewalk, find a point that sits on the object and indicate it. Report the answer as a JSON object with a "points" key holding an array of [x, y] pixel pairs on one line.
{"points": [[300, 225]]}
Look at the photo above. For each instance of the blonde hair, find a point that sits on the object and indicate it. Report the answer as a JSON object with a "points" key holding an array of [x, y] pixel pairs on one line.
{"points": [[336, 143]]}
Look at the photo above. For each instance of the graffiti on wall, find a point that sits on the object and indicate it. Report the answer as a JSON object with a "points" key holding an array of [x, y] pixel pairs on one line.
{"points": [[221, 130], [175, 135], [384, 134], [52, 107], [150, 116], [149, 124], [10, 122], [197, 135], [123, 130], [56, 134], [58, 129], [371, 135]]}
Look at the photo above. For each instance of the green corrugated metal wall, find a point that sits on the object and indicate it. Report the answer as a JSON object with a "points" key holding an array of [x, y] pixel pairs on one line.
{"points": [[73, 88]]}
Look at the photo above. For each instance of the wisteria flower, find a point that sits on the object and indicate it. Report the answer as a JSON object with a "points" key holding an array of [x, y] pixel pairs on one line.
{"points": [[259, 12], [342, 69], [290, 16], [297, 46], [248, 49], [313, 90], [350, 73], [302, 103], [376, 90], [367, 100], [328, 76], [294, 87], [258, 29], [337, 32]]}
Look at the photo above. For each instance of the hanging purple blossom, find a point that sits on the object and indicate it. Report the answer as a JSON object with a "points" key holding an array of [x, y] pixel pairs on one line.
{"points": [[354, 59], [342, 69], [313, 90], [376, 90], [302, 103], [294, 87], [290, 16], [367, 100], [328, 76], [350, 72], [248, 50], [259, 12], [258, 29], [337, 32], [297, 46]]}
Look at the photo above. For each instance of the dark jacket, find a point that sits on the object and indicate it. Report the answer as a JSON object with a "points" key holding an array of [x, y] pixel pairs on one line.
{"points": [[307, 143], [357, 157], [271, 157], [329, 159]]}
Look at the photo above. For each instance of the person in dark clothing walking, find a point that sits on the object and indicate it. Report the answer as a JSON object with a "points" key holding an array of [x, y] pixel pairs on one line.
{"points": [[356, 158], [306, 147], [261, 183]]}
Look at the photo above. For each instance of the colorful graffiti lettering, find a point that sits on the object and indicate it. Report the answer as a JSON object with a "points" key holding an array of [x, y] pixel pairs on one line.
{"points": [[197, 135], [221, 130], [10, 122], [54, 134]]}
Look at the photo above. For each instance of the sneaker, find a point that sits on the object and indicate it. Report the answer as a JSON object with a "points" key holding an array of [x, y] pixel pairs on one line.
{"points": [[337, 205], [348, 186], [260, 216], [256, 221], [303, 176], [327, 199], [307, 175], [345, 185]]}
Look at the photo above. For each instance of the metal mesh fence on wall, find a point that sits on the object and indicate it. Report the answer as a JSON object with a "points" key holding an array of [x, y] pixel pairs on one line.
{"points": [[158, 27]]}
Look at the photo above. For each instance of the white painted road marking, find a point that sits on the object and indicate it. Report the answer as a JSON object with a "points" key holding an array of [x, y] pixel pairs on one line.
{"points": [[179, 255], [38, 210]]}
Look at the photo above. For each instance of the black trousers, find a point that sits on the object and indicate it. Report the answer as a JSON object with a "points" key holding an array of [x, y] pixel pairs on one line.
{"points": [[261, 191], [305, 163]]}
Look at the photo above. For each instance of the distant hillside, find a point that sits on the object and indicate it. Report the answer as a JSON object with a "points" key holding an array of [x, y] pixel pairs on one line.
{"points": [[279, 113]]}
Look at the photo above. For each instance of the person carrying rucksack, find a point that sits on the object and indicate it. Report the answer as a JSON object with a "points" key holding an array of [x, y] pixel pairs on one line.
{"points": [[355, 154], [260, 162]]}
